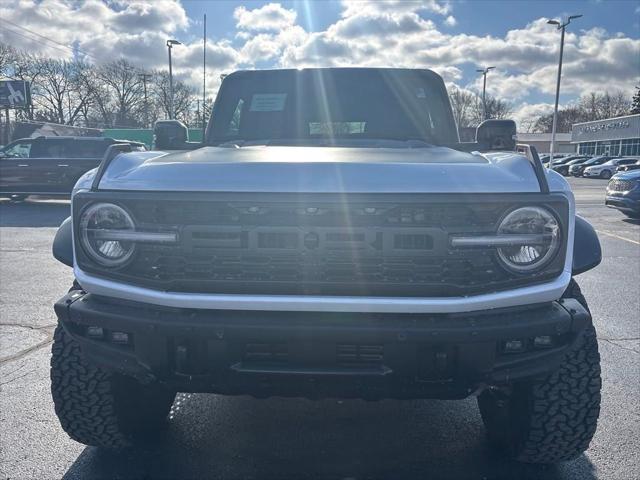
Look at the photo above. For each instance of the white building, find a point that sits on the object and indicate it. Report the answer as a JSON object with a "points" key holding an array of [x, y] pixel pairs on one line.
{"points": [[613, 136], [542, 142]]}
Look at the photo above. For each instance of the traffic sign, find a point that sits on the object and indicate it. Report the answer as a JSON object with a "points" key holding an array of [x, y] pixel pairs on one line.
{"points": [[15, 93]]}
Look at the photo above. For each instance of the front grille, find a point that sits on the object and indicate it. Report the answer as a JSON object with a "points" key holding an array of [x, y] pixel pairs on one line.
{"points": [[357, 355], [333, 245], [617, 185]]}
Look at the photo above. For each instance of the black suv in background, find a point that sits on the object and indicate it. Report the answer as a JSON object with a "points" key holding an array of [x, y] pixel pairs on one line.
{"points": [[577, 170], [50, 165]]}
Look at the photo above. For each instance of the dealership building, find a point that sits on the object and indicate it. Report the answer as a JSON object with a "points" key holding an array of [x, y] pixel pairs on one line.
{"points": [[542, 142], [618, 136]]}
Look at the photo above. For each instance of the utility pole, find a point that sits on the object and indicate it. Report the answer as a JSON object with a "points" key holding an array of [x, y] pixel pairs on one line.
{"points": [[144, 77], [484, 72], [170, 44], [560, 26], [204, 73]]}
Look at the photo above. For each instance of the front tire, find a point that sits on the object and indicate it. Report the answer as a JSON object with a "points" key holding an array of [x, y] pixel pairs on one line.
{"points": [[99, 408], [605, 174], [552, 419]]}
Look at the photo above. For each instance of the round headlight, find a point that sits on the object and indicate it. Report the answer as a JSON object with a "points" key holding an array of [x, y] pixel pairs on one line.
{"points": [[100, 225], [540, 233]]}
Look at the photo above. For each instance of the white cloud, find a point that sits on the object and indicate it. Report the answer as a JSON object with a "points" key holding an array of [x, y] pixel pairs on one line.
{"points": [[450, 21], [354, 7], [268, 17], [132, 30], [525, 114], [367, 33]]}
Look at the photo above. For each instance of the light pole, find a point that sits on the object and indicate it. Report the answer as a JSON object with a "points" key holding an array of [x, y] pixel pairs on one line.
{"points": [[484, 72], [561, 27], [170, 44]]}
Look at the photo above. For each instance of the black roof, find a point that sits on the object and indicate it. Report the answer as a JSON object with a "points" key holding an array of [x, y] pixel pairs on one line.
{"points": [[69, 137]]}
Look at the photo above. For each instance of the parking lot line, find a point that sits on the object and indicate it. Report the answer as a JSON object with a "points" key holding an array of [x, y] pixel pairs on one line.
{"points": [[618, 237]]}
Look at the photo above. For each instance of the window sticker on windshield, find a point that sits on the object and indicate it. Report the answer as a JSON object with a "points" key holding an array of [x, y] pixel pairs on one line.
{"points": [[268, 102]]}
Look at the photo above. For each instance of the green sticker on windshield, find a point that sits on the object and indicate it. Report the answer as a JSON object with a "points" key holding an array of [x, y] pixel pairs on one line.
{"points": [[268, 102]]}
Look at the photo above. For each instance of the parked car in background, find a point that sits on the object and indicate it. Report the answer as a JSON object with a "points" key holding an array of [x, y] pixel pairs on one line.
{"points": [[623, 193], [50, 165], [608, 168], [578, 169], [630, 167], [563, 160], [563, 168], [545, 158]]}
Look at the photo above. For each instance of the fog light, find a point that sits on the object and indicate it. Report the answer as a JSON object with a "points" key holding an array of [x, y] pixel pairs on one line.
{"points": [[95, 332], [543, 341], [119, 337], [513, 346]]}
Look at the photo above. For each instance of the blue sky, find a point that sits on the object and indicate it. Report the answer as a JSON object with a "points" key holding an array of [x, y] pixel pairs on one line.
{"points": [[473, 16], [602, 50]]}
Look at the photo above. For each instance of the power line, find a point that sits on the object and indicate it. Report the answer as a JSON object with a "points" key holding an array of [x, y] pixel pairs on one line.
{"points": [[73, 49], [28, 38]]}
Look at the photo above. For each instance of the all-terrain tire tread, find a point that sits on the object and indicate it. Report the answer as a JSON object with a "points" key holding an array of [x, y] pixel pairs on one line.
{"points": [[564, 408], [83, 396], [552, 419]]}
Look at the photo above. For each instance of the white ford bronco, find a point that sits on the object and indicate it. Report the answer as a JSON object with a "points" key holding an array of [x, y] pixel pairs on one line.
{"points": [[331, 237]]}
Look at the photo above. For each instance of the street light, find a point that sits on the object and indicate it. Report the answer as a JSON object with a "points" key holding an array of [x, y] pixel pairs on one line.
{"points": [[170, 44], [484, 72], [560, 26]]}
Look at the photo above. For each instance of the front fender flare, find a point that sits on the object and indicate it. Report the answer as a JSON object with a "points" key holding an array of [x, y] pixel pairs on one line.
{"points": [[587, 253], [63, 243]]}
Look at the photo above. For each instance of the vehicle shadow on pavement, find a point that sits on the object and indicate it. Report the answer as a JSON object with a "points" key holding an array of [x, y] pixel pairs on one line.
{"points": [[238, 437], [632, 221], [30, 213]]}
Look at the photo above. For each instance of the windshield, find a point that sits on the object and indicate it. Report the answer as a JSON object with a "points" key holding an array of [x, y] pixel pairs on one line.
{"points": [[311, 106]]}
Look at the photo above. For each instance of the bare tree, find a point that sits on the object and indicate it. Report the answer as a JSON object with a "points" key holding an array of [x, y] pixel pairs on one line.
{"points": [[183, 98], [463, 104], [125, 91], [468, 109], [590, 107], [8, 56], [57, 91], [604, 105], [635, 106]]}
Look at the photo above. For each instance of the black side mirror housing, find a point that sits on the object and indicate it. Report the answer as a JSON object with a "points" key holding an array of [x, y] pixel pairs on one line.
{"points": [[172, 135], [496, 135]]}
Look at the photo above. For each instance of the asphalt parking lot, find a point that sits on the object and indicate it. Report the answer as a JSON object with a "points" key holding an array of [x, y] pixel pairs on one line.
{"points": [[240, 437]]}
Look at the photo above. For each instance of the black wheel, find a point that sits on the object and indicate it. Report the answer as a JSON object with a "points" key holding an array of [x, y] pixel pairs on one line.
{"points": [[99, 408], [606, 174], [554, 419]]}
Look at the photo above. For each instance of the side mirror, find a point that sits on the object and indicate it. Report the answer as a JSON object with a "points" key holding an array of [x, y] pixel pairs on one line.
{"points": [[170, 135], [496, 135]]}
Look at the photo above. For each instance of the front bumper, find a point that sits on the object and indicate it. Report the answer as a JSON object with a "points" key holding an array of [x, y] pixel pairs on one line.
{"points": [[316, 354], [625, 204]]}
